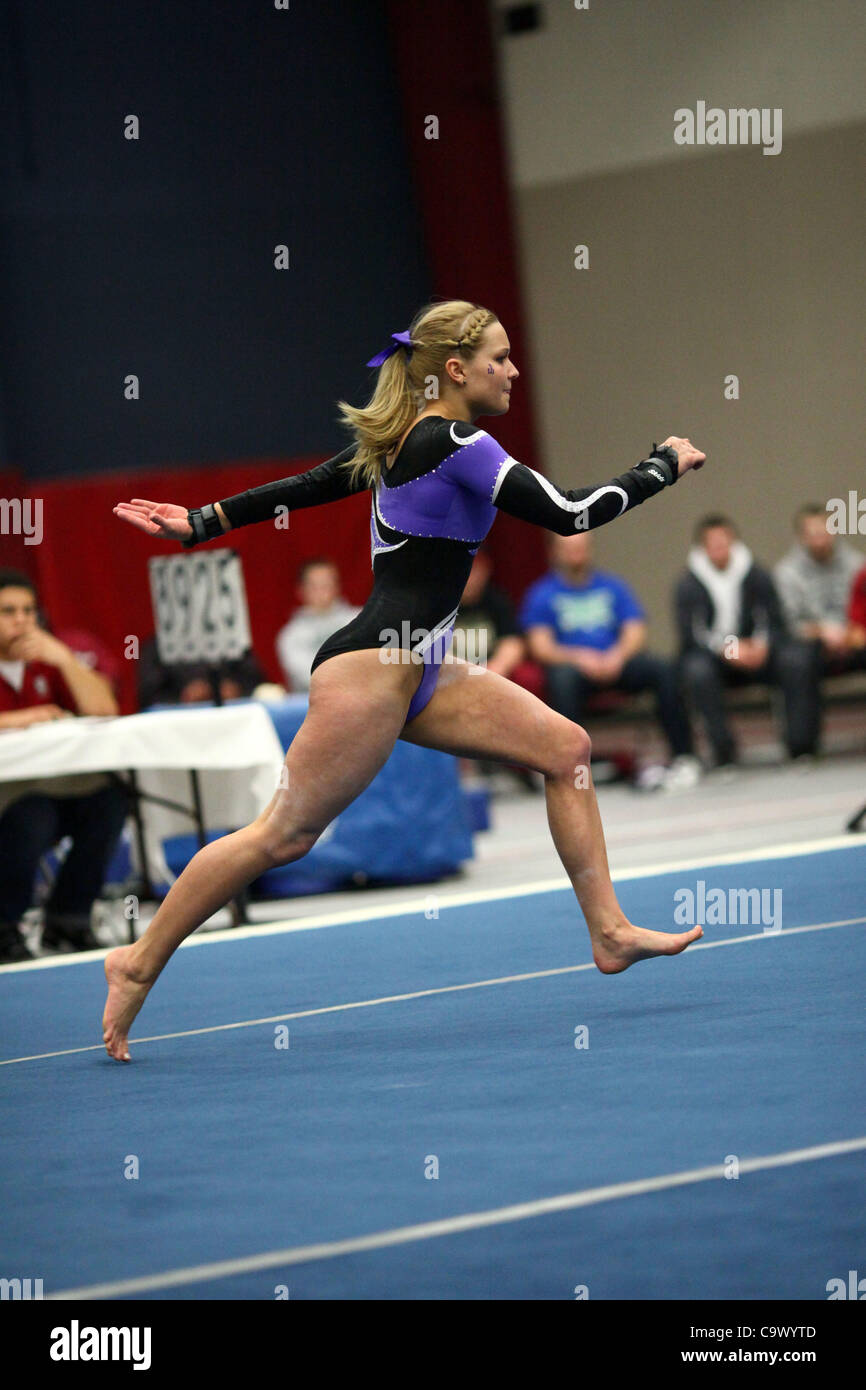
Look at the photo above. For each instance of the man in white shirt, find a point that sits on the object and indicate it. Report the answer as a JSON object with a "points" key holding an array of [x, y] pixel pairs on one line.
{"points": [[732, 632], [323, 610]]}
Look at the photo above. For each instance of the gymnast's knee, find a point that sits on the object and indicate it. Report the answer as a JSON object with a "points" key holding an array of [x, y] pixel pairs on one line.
{"points": [[284, 846], [571, 749]]}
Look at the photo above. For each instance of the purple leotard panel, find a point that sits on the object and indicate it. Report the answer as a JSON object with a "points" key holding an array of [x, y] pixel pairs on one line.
{"points": [[478, 464], [432, 665], [432, 506], [454, 501]]}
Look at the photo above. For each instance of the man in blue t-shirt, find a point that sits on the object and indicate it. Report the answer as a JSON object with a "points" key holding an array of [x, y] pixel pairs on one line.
{"points": [[588, 630]]}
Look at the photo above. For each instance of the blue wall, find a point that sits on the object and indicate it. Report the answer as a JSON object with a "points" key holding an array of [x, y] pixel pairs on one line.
{"points": [[258, 126]]}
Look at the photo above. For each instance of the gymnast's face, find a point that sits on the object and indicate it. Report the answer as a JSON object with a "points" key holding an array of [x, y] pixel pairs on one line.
{"points": [[489, 374]]}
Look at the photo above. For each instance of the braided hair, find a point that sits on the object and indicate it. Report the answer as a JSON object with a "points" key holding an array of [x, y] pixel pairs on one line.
{"points": [[409, 378]]}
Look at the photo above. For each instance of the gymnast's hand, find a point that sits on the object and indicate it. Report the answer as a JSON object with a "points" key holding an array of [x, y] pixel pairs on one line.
{"points": [[689, 456], [156, 518]]}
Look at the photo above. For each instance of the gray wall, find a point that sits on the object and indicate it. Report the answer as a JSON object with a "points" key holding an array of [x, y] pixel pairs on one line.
{"points": [[731, 263], [593, 90], [704, 261]]}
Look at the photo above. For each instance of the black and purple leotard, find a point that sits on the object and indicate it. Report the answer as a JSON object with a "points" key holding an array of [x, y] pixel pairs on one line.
{"points": [[429, 513]]}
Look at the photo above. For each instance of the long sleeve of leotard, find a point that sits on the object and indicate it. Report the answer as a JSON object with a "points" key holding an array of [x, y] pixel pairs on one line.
{"points": [[328, 482], [486, 469]]}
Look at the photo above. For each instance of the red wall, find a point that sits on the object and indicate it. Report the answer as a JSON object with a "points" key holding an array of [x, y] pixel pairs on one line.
{"points": [[91, 567], [13, 551]]}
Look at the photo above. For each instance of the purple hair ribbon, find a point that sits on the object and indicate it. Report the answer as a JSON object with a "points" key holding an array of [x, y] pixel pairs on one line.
{"points": [[397, 340]]}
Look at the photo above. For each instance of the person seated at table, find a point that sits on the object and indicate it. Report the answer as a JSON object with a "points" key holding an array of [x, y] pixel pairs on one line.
{"points": [[589, 631], [322, 611], [189, 682], [814, 582], [91, 650], [41, 679]]}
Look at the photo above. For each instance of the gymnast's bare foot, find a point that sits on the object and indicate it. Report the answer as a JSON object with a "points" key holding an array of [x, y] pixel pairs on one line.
{"points": [[615, 948], [125, 997]]}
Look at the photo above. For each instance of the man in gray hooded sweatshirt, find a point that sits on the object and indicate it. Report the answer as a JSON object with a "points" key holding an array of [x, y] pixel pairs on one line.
{"points": [[732, 632], [814, 581]]}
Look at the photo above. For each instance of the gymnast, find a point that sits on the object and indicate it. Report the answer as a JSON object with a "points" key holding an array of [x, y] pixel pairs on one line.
{"points": [[437, 482]]}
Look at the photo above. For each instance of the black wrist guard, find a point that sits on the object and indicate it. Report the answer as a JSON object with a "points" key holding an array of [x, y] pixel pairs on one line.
{"points": [[205, 525], [669, 460]]}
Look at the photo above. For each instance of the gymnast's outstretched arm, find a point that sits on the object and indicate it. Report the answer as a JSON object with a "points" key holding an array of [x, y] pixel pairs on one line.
{"points": [[485, 468], [328, 482]]}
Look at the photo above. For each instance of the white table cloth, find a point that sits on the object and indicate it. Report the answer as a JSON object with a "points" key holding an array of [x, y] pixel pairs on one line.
{"points": [[234, 748]]}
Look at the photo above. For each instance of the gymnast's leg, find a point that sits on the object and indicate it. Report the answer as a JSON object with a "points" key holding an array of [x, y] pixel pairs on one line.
{"points": [[358, 704], [477, 713]]}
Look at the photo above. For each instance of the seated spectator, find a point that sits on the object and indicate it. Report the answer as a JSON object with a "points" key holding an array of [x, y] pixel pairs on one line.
{"points": [[189, 683], [486, 621], [322, 611], [589, 631], [91, 651], [814, 582], [41, 679], [732, 632], [857, 613]]}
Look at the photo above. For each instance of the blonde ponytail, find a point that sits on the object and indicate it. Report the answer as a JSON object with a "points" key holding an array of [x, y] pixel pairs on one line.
{"points": [[437, 332]]}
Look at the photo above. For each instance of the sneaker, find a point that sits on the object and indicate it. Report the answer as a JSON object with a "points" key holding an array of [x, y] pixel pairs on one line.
{"points": [[13, 947], [684, 773], [650, 778]]}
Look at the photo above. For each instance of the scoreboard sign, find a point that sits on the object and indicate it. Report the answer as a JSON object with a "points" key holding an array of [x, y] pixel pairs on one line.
{"points": [[199, 607]]}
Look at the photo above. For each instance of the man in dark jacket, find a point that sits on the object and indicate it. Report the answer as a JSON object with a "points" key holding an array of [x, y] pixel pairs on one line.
{"points": [[732, 632]]}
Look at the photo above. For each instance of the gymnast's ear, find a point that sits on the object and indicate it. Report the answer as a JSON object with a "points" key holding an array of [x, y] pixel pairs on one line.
{"points": [[457, 376]]}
